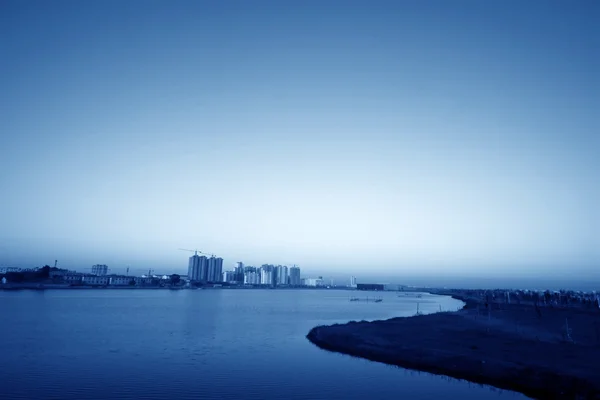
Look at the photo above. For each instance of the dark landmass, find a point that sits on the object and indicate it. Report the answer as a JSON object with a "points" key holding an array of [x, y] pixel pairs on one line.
{"points": [[30, 276], [49, 284], [542, 351], [60, 286]]}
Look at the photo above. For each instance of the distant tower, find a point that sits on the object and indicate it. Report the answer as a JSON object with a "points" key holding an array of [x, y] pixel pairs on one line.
{"points": [[215, 269], [239, 272], [282, 275], [194, 268], [353, 281], [294, 277]]}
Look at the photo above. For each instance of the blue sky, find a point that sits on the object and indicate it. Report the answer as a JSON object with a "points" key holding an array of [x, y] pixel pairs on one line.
{"points": [[408, 138]]}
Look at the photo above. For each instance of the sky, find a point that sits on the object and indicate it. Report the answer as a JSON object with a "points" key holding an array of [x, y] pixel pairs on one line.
{"points": [[373, 138]]}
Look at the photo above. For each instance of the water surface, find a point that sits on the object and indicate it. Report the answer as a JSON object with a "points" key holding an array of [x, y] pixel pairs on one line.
{"points": [[203, 344]]}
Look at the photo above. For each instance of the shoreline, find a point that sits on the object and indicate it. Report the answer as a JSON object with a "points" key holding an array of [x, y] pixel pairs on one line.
{"points": [[512, 347], [41, 287]]}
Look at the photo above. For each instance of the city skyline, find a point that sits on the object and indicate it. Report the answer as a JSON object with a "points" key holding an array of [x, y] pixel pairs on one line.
{"points": [[393, 139]]}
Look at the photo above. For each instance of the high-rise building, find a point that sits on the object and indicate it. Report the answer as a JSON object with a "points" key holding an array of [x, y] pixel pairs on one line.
{"points": [[197, 268], [203, 274], [229, 276], [251, 278], [215, 269], [99, 269], [294, 278], [239, 272], [211, 270], [282, 275], [219, 267], [193, 268], [267, 274], [353, 281]]}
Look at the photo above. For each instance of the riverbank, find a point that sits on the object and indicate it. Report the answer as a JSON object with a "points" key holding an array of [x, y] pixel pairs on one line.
{"points": [[545, 352], [67, 287], [60, 286]]}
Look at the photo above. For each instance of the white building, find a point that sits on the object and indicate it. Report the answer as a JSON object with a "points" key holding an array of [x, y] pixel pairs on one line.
{"points": [[314, 282], [251, 278], [229, 276], [353, 282], [99, 269], [119, 280], [72, 278], [267, 274]]}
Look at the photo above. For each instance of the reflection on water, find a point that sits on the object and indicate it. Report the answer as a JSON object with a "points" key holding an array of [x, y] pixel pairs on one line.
{"points": [[202, 344]]}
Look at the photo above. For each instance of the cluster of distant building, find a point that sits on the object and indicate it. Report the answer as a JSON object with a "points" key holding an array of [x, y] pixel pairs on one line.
{"points": [[209, 270], [204, 269], [99, 277], [201, 271]]}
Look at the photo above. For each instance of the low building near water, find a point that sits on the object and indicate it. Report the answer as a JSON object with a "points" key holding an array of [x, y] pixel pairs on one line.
{"points": [[143, 280], [73, 278], [119, 280], [370, 286], [95, 280], [313, 282]]}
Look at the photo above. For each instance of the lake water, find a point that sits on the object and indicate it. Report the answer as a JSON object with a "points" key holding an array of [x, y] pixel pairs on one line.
{"points": [[202, 344]]}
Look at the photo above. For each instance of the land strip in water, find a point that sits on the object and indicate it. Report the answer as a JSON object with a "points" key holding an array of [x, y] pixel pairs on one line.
{"points": [[541, 351]]}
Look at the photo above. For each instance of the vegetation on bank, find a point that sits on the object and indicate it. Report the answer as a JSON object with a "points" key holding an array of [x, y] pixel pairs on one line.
{"points": [[543, 352], [38, 275]]}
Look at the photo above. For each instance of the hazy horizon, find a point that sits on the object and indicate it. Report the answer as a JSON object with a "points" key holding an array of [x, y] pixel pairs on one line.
{"points": [[380, 139]]}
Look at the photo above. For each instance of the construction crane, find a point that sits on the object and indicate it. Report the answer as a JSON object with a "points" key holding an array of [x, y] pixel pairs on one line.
{"points": [[197, 251]]}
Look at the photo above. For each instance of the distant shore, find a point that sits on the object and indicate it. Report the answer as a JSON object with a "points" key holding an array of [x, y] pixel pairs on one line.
{"points": [[32, 286], [57, 286], [542, 352]]}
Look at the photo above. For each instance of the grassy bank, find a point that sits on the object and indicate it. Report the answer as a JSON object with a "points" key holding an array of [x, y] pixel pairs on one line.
{"points": [[544, 353]]}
